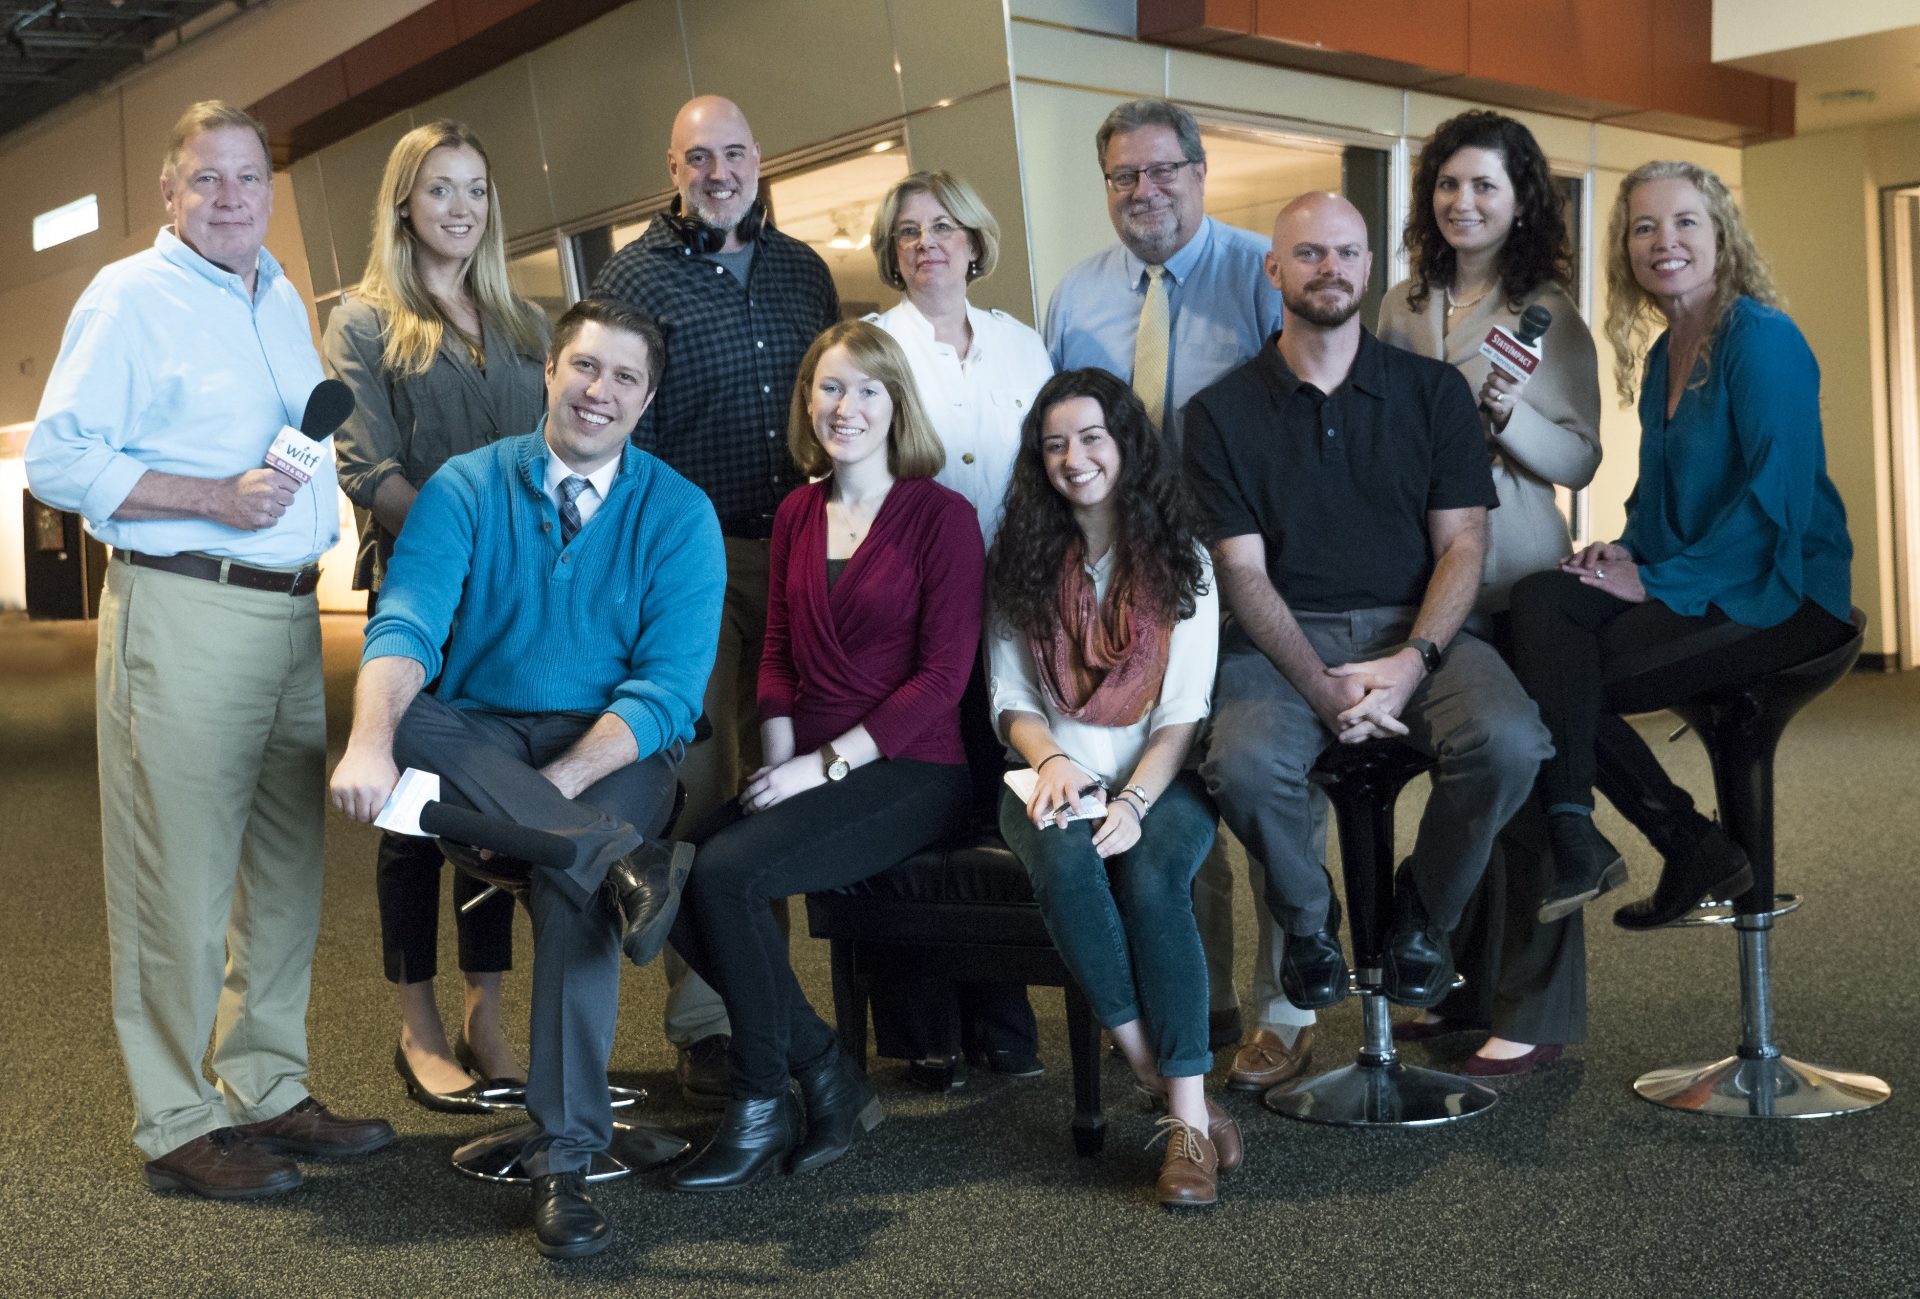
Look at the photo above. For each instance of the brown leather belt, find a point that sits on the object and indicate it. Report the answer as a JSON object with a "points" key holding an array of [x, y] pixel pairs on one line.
{"points": [[302, 582]]}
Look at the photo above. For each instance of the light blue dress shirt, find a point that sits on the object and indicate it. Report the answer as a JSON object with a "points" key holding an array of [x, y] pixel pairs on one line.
{"points": [[1734, 507], [1222, 307], [167, 364]]}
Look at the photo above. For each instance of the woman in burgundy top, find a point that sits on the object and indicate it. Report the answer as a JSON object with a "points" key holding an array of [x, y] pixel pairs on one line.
{"points": [[873, 621]]}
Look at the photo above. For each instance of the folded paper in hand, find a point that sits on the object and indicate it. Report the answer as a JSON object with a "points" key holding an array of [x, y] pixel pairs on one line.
{"points": [[401, 812], [1023, 782]]}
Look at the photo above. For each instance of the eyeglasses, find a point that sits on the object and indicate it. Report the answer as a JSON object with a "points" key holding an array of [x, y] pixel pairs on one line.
{"points": [[1121, 180], [942, 230]]}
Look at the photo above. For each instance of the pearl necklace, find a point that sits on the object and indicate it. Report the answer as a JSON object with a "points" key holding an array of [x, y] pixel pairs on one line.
{"points": [[1453, 306]]}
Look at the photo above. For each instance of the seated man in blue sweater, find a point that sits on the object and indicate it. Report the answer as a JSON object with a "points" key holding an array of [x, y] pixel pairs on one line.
{"points": [[561, 590]]}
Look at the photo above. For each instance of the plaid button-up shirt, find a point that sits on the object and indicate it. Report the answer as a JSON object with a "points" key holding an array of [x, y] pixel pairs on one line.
{"points": [[720, 417]]}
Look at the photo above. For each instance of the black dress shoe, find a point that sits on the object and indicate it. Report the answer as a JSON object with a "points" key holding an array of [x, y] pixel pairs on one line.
{"points": [[1417, 967], [1711, 866], [644, 890], [840, 1106], [756, 1136], [1009, 1064], [566, 1222], [1585, 865], [936, 1074], [1313, 970], [455, 1102], [702, 1072]]}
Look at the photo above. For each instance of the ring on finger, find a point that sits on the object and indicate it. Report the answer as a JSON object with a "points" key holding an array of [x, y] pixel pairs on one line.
{"points": [[1600, 573]]}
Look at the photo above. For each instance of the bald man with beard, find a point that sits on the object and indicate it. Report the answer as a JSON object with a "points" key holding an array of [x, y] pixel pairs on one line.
{"points": [[1346, 485], [739, 302]]}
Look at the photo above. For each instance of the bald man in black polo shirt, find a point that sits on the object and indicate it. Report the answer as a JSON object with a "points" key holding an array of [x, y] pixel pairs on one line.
{"points": [[1347, 486]]}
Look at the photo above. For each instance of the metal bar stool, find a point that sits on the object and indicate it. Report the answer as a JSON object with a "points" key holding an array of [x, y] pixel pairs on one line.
{"points": [[635, 1147], [1741, 729], [1376, 1090]]}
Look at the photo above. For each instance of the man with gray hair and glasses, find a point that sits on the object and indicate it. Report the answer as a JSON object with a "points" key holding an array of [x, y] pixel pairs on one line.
{"points": [[1179, 302]]}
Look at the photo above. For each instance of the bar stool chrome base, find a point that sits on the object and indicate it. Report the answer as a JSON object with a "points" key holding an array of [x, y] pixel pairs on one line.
{"points": [[634, 1149], [1776, 1088], [1376, 1090]]}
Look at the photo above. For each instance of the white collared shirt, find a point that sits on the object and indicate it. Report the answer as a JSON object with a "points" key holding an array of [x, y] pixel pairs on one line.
{"points": [[599, 483], [976, 403]]}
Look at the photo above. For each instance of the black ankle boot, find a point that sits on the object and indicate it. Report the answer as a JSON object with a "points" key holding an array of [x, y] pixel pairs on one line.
{"points": [[1709, 865], [755, 1137], [1585, 865], [840, 1106]]}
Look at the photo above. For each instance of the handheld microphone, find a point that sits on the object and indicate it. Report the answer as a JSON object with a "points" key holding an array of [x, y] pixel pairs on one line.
{"points": [[1517, 354], [297, 453]]}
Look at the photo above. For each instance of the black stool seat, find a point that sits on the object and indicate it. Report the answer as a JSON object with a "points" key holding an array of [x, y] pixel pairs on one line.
{"points": [[962, 910], [1741, 728], [1362, 781]]}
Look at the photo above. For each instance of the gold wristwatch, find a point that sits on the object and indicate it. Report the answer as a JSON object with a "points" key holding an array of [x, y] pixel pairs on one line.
{"points": [[836, 766]]}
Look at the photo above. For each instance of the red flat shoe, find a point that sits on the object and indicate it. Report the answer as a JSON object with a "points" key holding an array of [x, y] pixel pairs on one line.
{"points": [[1475, 1066]]}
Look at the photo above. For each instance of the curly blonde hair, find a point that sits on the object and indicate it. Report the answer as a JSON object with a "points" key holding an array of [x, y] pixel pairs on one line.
{"points": [[1633, 318]]}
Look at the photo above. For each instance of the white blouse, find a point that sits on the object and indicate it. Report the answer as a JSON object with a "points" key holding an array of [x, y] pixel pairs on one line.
{"points": [[976, 404], [1112, 752]]}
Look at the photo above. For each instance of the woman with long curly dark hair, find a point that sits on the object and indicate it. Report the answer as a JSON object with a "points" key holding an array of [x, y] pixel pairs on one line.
{"points": [[1103, 635], [1488, 239]]}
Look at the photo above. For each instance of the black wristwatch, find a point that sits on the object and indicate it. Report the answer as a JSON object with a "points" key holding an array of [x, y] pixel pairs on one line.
{"points": [[1429, 652]]}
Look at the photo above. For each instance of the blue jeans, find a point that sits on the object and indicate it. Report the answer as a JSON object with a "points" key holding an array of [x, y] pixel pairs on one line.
{"points": [[1125, 925]]}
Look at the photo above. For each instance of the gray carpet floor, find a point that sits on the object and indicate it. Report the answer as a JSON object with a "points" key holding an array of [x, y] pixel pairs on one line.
{"points": [[1571, 1186]]}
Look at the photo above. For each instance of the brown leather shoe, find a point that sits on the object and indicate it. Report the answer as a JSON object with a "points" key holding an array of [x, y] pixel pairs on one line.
{"points": [[1189, 1176], [223, 1165], [1224, 1131], [1266, 1061], [309, 1129], [1222, 1128]]}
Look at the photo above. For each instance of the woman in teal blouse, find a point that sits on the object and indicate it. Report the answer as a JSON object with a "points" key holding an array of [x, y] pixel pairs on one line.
{"points": [[1735, 561]]}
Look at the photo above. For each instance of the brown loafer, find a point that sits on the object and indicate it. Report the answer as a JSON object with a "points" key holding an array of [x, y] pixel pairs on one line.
{"points": [[1189, 1176], [223, 1165], [310, 1129], [1265, 1061]]}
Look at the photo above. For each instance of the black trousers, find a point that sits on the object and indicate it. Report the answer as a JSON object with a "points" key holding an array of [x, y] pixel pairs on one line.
{"points": [[406, 882], [1583, 654], [826, 838]]}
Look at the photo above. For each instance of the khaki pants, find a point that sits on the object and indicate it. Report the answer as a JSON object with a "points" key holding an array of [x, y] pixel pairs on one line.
{"points": [[212, 739]]}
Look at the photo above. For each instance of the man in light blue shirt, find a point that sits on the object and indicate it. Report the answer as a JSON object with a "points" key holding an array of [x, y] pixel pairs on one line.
{"points": [[1219, 306], [1179, 302], [179, 367]]}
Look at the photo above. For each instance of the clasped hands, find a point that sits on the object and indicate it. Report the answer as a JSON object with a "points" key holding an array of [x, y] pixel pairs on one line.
{"points": [[1363, 700], [1609, 566], [779, 781]]}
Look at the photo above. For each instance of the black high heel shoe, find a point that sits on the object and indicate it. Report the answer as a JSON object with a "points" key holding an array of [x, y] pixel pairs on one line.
{"points": [[489, 1093], [465, 1101]]}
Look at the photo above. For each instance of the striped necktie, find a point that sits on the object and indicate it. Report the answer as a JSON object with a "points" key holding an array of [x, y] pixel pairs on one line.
{"points": [[570, 488], [1150, 347]]}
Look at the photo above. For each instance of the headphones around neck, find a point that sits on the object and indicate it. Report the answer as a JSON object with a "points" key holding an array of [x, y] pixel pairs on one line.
{"points": [[699, 237]]}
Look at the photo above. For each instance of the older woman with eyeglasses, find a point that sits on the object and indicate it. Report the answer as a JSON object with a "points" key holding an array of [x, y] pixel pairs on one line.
{"points": [[977, 372]]}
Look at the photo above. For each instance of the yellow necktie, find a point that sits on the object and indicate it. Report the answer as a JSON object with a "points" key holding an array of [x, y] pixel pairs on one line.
{"points": [[1150, 347]]}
